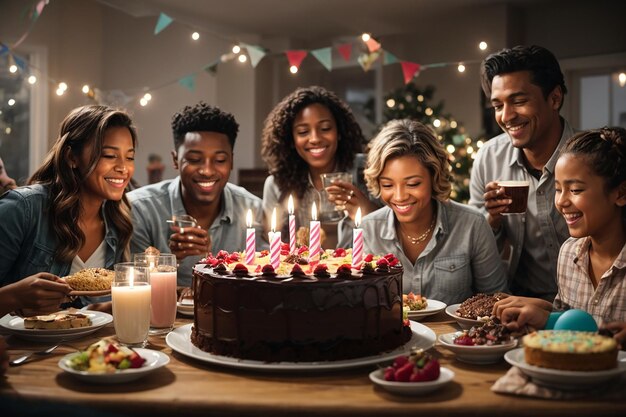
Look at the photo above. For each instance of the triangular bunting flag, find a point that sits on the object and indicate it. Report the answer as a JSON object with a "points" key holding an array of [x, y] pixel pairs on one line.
{"points": [[345, 50], [38, 9], [163, 22], [372, 45], [367, 60], [3, 49], [389, 58], [324, 55], [409, 70], [295, 57], [255, 53], [211, 68], [19, 62], [189, 82]]}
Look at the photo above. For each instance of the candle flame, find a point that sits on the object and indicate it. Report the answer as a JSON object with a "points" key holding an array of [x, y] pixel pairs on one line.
{"points": [[274, 220], [314, 211], [357, 218], [249, 218], [290, 204]]}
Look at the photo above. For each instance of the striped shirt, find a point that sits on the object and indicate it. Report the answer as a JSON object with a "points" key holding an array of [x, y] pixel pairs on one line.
{"points": [[605, 303]]}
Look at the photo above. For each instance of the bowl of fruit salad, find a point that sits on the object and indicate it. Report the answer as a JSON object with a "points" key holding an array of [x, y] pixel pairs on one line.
{"points": [[418, 373], [482, 344], [107, 362]]}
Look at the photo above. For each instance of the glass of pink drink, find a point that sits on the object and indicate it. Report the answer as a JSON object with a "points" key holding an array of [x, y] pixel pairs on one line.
{"points": [[163, 281]]}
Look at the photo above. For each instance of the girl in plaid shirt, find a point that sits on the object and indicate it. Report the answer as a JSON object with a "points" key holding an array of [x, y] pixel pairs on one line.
{"points": [[590, 183]]}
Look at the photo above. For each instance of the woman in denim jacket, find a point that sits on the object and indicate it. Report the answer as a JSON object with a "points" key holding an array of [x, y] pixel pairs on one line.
{"points": [[447, 249], [72, 215]]}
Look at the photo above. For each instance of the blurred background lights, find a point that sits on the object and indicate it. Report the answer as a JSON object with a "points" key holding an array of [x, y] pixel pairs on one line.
{"points": [[436, 122], [461, 68], [195, 36], [622, 79], [11, 102], [32, 79], [366, 37], [62, 86], [143, 101], [236, 49], [420, 98], [453, 124], [482, 45], [293, 69], [147, 96], [391, 102], [450, 148], [428, 111], [86, 89], [13, 69], [242, 58]]}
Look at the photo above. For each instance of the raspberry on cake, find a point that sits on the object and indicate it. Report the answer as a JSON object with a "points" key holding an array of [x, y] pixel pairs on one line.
{"points": [[570, 350], [300, 312]]}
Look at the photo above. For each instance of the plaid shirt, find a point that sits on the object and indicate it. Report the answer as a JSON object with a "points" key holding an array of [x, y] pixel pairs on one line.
{"points": [[605, 303]]}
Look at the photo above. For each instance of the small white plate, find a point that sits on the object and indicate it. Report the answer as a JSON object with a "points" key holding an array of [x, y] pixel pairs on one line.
{"points": [[433, 307], [412, 388], [567, 380], [479, 355], [465, 324], [179, 340], [185, 308], [154, 360], [15, 325]]}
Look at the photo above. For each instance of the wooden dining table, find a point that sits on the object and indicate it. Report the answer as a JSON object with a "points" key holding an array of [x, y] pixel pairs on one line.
{"points": [[190, 387]]}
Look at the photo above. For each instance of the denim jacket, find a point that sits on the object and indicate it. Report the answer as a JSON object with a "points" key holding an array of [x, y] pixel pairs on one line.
{"points": [[27, 240], [460, 259]]}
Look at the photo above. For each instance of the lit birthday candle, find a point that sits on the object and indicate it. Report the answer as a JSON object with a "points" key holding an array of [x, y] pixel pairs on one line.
{"points": [[250, 239], [274, 243], [292, 226], [314, 236], [357, 241]]}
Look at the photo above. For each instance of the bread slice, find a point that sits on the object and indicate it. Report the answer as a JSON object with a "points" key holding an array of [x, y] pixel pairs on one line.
{"points": [[57, 321]]}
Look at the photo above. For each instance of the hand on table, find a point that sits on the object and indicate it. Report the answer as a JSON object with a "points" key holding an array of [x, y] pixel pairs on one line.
{"points": [[189, 241], [529, 315], [516, 301]]}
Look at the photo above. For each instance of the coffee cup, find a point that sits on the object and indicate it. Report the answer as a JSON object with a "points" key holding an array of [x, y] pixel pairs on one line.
{"points": [[517, 192]]}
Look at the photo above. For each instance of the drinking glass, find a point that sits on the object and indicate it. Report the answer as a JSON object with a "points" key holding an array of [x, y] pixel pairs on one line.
{"points": [[329, 211], [131, 296], [183, 221], [517, 191], [163, 282]]}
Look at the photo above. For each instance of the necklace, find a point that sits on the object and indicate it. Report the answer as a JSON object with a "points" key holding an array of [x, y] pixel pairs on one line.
{"points": [[423, 236]]}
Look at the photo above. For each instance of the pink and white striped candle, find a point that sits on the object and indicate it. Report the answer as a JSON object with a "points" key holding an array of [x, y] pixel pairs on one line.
{"points": [[292, 226], [250, 239], [274, 243], [357, 241], [314, 236]]}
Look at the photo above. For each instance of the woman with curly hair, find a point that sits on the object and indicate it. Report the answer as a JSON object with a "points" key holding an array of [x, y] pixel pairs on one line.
{"points": [[309, 133], [73, 214], [447, 249]]}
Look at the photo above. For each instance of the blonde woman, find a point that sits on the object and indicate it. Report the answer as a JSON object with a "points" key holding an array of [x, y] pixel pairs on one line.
{"points": [[447, 249]]}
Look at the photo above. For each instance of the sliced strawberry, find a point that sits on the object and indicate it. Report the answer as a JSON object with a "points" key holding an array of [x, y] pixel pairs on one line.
{"points": [[302, 249], [390, 374], [464, 340], [403, 374], [339, 252], [431, 370], [368, 258], [400, 361]]}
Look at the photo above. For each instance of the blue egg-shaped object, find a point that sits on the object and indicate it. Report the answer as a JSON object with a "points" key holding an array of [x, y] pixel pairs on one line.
{"points": [[576, 320]]}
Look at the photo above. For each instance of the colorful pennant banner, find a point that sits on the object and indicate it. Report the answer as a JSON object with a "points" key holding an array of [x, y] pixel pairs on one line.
{"points": [[163, 22]]}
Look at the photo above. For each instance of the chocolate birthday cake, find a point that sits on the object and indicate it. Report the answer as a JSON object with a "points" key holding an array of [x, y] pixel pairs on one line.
{"points": [[300, 312]]}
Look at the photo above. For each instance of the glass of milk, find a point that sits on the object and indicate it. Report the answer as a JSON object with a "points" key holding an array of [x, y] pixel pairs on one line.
{"points": [[131, 295]]}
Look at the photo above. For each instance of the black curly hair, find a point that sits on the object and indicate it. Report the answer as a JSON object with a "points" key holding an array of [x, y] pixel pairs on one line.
{"points": [[203, 118], [278, 146]]}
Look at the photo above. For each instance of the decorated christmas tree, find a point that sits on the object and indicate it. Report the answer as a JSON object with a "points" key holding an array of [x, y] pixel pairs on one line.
{"points": [[411, 102]]}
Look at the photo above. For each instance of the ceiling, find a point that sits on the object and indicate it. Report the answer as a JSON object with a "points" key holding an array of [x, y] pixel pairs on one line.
{"points": [[302, 19]]}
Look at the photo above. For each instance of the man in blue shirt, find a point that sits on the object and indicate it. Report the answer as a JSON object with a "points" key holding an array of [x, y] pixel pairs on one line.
{"points": [[204, 138]]}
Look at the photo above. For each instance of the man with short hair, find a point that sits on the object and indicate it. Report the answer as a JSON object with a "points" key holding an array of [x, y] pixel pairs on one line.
{"points": [[526, 88], [204, 139]]}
